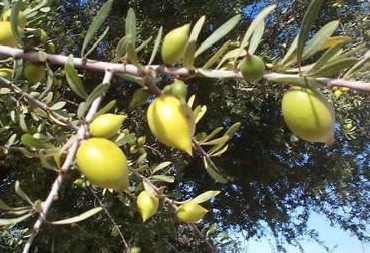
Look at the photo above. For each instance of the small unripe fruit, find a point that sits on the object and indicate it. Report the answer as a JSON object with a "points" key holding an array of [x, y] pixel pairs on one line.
{"points": [[179, 89], [6, 35], [34, 73], [147, 205], [21, 17], [141, 140], [174, 44], [252, 68], [106, 125], [172, 122], [103, 163], [191, 212], [308, 115]]}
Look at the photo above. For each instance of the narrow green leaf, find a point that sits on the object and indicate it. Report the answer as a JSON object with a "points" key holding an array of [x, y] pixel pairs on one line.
{"points": [[205, 196], [361, 64], [218, 34], [233, 54], [218, 152], [334, 67], [106, 108], [314, 45], [328, 55], [96, 24], [133, 78], [73, 79], [5, 207], [149, 188], [81, 110], [255, 23], [163, 178], [96, 43], [256, 38], [308, 19], [57, 106], [213, 173], [139, 97], [98, 91], [291, 50], [217, 74], [124, 139], [199, 112], [130, 25], [78, 218], [232, 130], [32, 142], [217, 56], [143, 44], [213, 133], [156, 45], [219, 141], [21, 193], [161, 166], [7, 222], [132, 55], [303, 81], [189, 55], [121, 46]]}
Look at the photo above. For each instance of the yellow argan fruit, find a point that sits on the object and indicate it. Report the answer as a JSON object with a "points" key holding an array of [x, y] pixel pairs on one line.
{"points": [[171, 122], [34, 73], [147, 205], [308, 115], [134, 250], [174, 44], [106, 125], [103, 163], [6, 36], [21, 17], [252, 68], [6, 73], [337, 94], [190, 212]]}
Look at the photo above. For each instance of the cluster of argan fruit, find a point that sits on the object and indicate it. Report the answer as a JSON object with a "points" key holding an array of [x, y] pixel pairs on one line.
{"points": [[32, 72]]}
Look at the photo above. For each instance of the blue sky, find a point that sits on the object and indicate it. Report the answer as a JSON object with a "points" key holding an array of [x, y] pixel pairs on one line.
{"points": [[336, 239]]}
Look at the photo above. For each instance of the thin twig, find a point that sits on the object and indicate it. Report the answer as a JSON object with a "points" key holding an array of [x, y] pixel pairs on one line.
{"points": [[53, 194]]}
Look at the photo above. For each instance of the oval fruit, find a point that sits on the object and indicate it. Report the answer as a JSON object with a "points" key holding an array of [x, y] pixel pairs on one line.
{"points": [[171, 122], [308, 115], [6, 35], [252, 68], [21, 17], [179, 89], [190, 212], [34, 73], [103, 163], [106, 125], [147, 205], [174, 43]]}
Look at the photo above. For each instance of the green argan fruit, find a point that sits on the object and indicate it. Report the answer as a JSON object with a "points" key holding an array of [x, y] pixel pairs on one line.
{"points": [[252, 68], [174, 44], [34, 73], [6, 73], [308, 115], [6, 35], [179, 89]]}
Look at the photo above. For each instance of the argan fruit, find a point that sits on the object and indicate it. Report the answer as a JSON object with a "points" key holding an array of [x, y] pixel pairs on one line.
{"points": [[174, 44], [147, 205], [106, 125], [252, 68], [190, 212], [34, 73]]}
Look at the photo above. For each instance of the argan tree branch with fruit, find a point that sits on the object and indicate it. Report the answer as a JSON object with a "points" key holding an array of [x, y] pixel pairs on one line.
{"points": [[109, 158]]}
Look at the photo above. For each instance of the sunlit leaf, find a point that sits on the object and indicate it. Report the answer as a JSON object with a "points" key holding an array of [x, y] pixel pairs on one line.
{"points": [[363, 63], [32, 142], [143, 44], [189, 55], [78, 218], [325, 57], [58, 106], [6, 222], [335, 67], [156, 45], [218, 34], [213, 133], [308, 19], [217, 141], [21, 193], [130, 25], [73, 79], [161, 166], [199, 112], [256, 38], [106, 108], [213, 173], [334, 41], [217, 56], [232, 130], [164, 178], [233, 54], [96, 24], [205, 196], [219, 152], [149, 188], [124, 139]]}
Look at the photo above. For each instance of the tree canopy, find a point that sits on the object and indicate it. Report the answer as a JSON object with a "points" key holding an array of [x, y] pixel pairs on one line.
{"points": [[253, 172]]}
